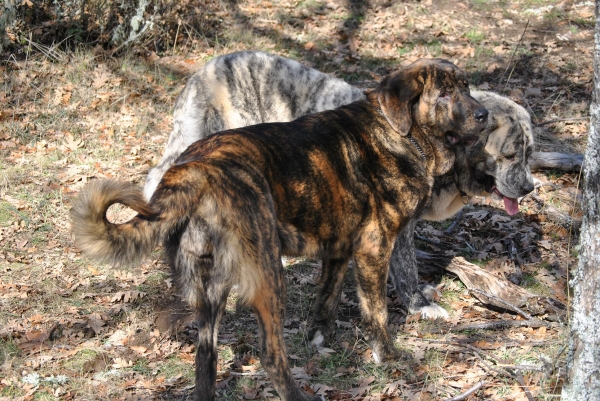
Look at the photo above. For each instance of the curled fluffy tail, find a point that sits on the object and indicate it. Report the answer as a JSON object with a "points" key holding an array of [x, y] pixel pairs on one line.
{"points": [[106, 242]]}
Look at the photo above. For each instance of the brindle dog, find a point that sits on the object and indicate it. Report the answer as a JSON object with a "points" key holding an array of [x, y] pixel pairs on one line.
{"points": [[335, 185], [252, 87]]}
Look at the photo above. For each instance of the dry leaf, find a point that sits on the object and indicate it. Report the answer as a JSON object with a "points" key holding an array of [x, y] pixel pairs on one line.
{"points": [[121, 363], [363, 386], [127, 296], [95, 322], [72, 143], [482, 344], [413, 318], [139, 349], [299, 372]]}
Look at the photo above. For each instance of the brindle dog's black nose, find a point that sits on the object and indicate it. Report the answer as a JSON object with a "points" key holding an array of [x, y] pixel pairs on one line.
{"points": [[481, 115]]}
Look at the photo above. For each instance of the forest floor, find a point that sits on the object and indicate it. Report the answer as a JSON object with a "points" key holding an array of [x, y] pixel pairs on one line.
{"points": [[71, 329]]}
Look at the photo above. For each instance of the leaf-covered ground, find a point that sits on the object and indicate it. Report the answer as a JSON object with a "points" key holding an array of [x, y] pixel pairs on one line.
{"points": [[70, 329]]}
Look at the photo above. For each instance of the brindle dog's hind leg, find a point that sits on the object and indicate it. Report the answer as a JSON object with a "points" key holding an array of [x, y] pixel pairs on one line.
{"points": [[269, 305], [328, 299], [190, 253], [208, 318]]}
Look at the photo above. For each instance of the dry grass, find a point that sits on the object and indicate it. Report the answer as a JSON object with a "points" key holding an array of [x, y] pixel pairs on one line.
{"points": [[73, 330]]}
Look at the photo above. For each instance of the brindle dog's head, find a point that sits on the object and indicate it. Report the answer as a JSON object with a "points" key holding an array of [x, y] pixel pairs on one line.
{"points": [[432, 94], [499, 165]]}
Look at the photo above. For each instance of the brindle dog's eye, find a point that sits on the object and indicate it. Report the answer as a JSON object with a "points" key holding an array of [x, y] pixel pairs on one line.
{"points": [[445, 95], [510, 157]]}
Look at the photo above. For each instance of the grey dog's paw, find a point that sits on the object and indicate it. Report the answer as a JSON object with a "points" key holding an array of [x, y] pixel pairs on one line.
{"points": [[429, 292], [432, 311]]}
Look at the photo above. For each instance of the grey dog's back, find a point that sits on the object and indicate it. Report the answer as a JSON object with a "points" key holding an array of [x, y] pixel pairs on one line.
{"points": [[247, 88]]}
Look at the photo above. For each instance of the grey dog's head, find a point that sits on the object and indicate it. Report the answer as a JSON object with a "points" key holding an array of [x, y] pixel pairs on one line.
{"points": [[498, 165]]}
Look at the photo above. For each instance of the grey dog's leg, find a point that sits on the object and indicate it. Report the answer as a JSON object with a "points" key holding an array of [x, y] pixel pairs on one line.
{"points": [[405, 276]]}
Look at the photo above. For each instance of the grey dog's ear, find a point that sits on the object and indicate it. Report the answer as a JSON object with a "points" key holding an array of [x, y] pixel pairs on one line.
{"points": [[396, 94]]}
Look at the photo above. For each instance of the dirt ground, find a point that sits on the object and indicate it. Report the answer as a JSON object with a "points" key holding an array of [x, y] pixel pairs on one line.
{"points": [[73, 112]]}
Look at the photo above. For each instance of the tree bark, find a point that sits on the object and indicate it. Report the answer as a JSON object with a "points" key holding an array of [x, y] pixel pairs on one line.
{"points": [[583, 360], [8, 15]]}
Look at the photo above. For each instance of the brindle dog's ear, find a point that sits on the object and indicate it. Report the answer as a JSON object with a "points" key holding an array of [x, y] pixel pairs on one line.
{"points": [[396, 95]]}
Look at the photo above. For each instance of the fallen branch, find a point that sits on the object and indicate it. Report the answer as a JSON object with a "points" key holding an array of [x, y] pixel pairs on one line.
{"points": [[493, 325], [500, 324], [467, 393], [503, 302], [555, 161], [461, 341], [500, 292], [476, 278], [558, 120]]}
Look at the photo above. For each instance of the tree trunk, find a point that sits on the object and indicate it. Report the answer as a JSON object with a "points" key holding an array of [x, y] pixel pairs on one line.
{"points": [[8, 15], [583, 361]]}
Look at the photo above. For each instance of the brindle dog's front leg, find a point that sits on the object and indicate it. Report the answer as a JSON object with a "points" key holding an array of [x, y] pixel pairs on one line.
{"points": [[326, 305], [371, 278]]}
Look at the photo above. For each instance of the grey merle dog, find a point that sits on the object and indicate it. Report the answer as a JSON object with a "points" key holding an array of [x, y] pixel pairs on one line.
{"points": [[251, 87]]}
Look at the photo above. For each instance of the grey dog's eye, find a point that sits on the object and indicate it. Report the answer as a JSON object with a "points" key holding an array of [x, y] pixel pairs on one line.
{"points": [[510, 157]]}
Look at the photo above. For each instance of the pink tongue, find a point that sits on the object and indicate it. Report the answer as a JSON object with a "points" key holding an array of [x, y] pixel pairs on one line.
{"points": [[511, 205]]}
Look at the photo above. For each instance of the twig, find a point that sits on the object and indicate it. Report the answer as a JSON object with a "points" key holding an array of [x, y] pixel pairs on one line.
{"points": [[555, 362], [521, 381], [427, 240], [467, 393], [557, 120], [134, 37], [480, 352], [533, 368], [175, 41], [49, 52], [497, 370], [556, 215], [121, 98], [502, 365], [457, 219], [512, 57], [503, 302]]}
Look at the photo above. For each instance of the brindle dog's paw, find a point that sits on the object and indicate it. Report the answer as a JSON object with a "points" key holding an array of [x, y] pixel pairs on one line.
{"points": [[393, 356]]}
